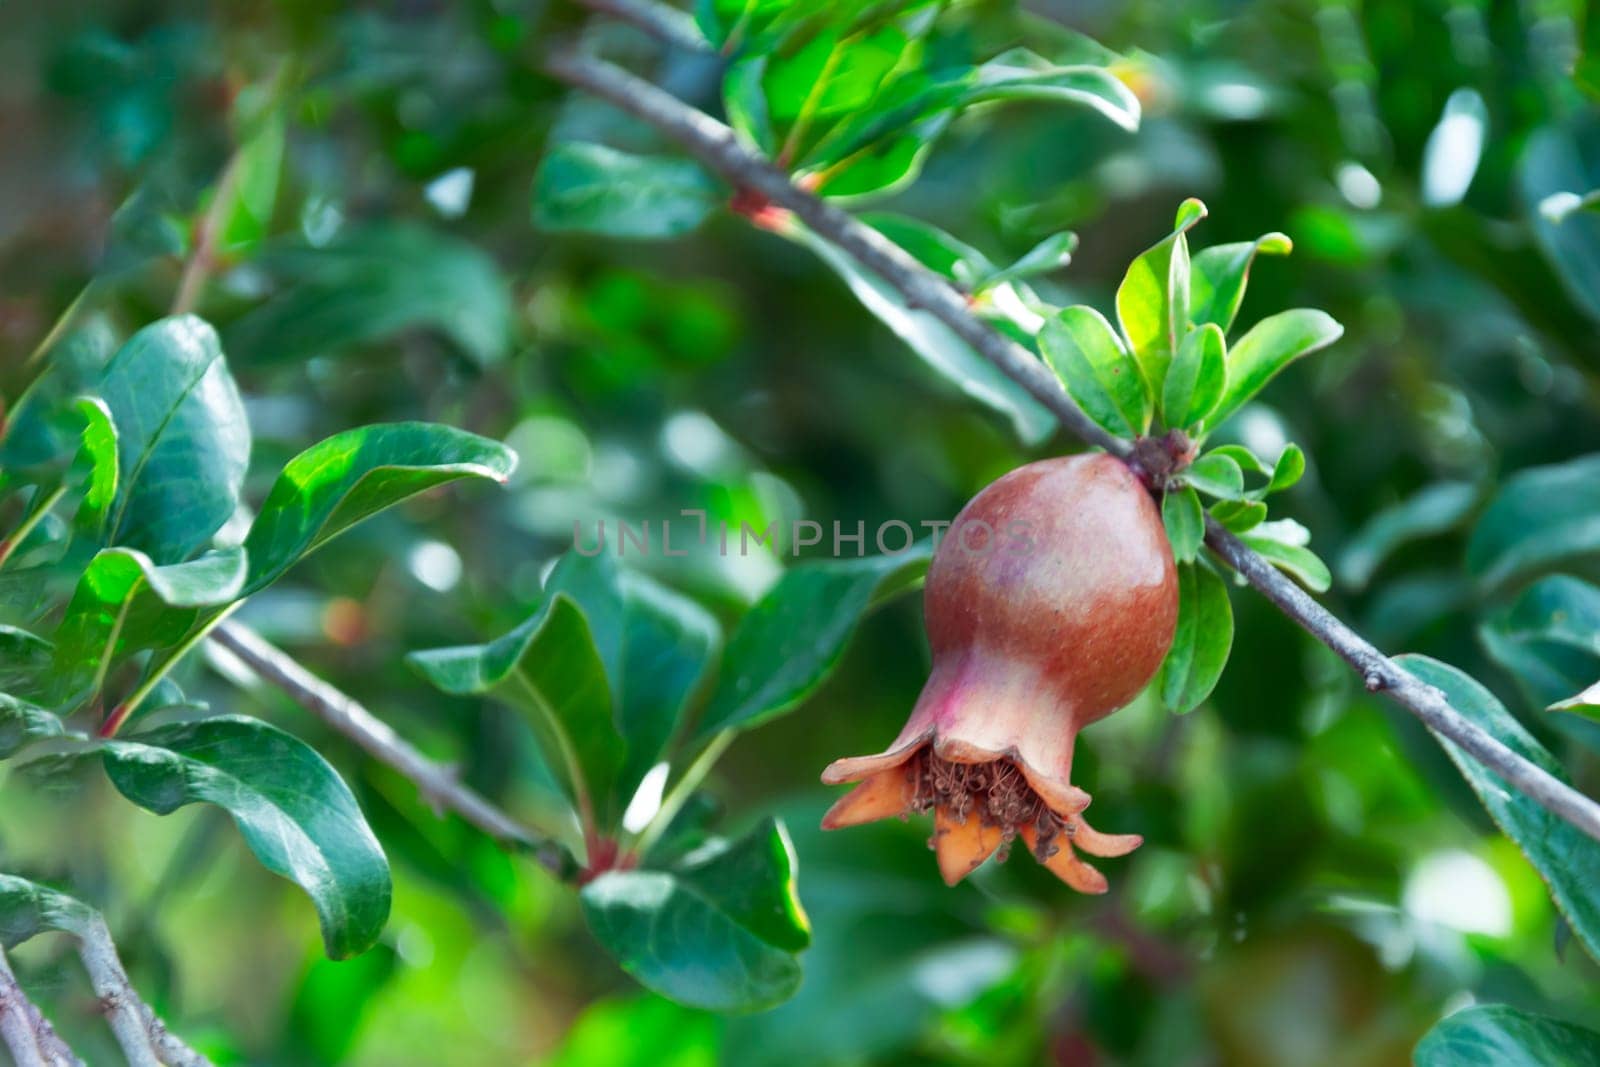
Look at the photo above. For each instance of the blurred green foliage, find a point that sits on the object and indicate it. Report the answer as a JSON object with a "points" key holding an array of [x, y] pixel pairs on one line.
{"points": [[1319, 885]]}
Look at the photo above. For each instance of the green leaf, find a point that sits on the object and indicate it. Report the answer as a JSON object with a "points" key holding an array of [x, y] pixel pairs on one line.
{"points": [[248, 191], [1432, 510], [669, 642], [1567, 859], [1557, 206], [97, 456], [1218, 276], [28, 909], [1268, 347], [350, 476], [22, 723], [589, 188], [1496, 1035], [183, 439], [1289, 469], [1216, 475], [1185, 521], [719, 930], [124, 603], [1203, 639], [934, 342], [745, 101], [1247, 460], [550, 669], [1091, 361], [793, 638], [639, 1031], [370, 284], [1283, 544], [1195, 380], [1023, 75], [1050, 254], [1559, 158], [1541, 517], [1549, 639], [881, 147], [294, 811], [1153, 299], [1586, 703], [1239, 515]]}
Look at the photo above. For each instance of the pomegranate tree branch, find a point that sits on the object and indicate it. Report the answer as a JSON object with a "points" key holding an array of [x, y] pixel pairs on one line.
{"points": [[715, 144], [24, 1031], [144, 1038], [437, 782], [666, 24]]}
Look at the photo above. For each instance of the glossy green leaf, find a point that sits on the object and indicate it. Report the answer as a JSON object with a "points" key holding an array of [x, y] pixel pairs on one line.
{"points": [[1586, 703], [183, 439], [97, 456], [669, 643], [28, 909], [1097, 370], [1216, 475], [639, 1031], [1247, 460], [1185, 521], [1497, 1035], [718, 930], [934, 342], [292, 808], [1268, 347], [248, 191], [1049, 255], [589, 188], [1218, 276], [1565, 857], [1023, 75], [1202, 641], [745, 100], [1432, 510], [1287, 472], [22, 723], [1549, 638], [880, 148], [1283, 544], [1540, 517], [371, 283], [1196, 378], [1559, 158], [1153, 299], [655, 644], [895, 951], [337, 482], [124, 602], [793, 638], [1239, 515], [550, 669], [25, 660]]}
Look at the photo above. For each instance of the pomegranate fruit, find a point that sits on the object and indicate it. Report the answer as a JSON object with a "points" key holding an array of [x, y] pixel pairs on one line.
{"points": [[1050, 603]]}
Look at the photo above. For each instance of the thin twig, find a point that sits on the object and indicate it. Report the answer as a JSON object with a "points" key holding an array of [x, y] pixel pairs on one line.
{"points": [[24, 1031], [715, 145], [145, 1039], [437, 782], [665, 24]]}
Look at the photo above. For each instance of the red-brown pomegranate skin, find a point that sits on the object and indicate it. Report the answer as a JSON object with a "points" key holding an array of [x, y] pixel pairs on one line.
{"points": [[1050, 603]]}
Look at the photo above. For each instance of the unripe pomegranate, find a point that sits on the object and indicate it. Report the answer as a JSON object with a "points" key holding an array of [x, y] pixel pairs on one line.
{"points": [[1050, 603]]}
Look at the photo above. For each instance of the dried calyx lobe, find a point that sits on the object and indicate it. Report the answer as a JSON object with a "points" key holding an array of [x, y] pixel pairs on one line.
{"points": [[1055, 614], [994, 793]]}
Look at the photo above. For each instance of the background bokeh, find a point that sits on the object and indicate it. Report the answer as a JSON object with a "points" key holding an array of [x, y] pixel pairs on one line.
{"points": [[1318, 884]]}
